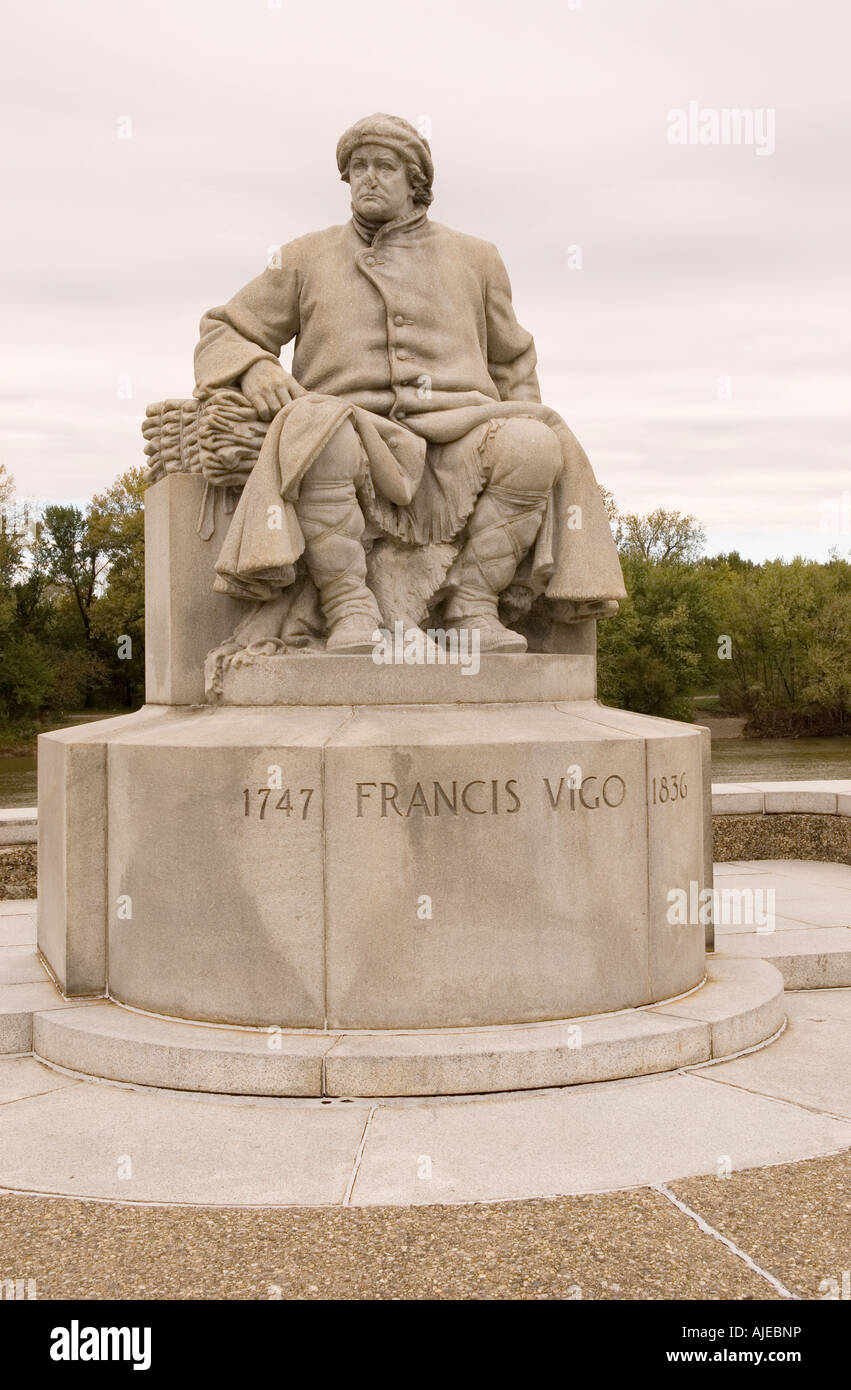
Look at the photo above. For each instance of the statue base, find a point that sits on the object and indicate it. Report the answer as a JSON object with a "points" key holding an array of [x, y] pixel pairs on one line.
{"points": [[374, 867]]}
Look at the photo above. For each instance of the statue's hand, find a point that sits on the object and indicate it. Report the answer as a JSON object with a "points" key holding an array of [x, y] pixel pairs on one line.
{"points": [[268, 388]]}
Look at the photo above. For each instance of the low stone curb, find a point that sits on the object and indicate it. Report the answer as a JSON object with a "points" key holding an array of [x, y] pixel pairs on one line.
{"points": [[782, 820], [739, 1006], [19, 826]]}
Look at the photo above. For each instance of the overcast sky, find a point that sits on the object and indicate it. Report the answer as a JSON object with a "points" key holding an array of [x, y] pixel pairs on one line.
{"points": [[700, 352]]}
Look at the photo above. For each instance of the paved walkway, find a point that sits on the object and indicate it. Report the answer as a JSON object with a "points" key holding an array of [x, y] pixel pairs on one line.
{"points": [[810, 911], [769, 1233]]}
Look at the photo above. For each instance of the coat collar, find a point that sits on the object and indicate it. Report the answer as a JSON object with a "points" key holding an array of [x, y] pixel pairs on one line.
{"points": [[373, 232]]}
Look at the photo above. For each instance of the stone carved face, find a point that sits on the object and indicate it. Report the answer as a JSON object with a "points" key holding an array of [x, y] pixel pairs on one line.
{"points": [[381, 190]]}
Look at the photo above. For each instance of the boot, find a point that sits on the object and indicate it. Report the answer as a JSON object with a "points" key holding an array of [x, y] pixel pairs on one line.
{"points": [[333, 527], [503, 526]]}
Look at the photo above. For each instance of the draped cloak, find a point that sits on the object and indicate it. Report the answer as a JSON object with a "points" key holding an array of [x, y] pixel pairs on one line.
{"points": [[408, 331]]}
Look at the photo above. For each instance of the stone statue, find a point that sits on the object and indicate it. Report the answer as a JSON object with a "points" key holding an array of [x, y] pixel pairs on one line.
{"points": [[406, 470], [261, 846]]}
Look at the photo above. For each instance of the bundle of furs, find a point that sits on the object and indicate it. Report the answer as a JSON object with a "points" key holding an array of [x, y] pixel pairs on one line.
{"points": [[406, 578], [220, 437]]}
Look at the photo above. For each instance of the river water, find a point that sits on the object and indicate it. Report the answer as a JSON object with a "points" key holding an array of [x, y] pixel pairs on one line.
{"points": [[780, 759], [17, 782], [733, 760]]}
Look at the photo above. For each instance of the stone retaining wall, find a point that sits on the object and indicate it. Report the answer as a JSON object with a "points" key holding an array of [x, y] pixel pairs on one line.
{"points": [[775, 836], [18, 871], [782, 820]]}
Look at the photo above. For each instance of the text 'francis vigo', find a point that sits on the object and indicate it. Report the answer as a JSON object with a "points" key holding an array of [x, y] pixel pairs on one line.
{"points": [[489, 796]]}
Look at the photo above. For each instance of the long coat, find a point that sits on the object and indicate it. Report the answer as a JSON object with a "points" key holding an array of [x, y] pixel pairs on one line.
{"points": [[415, 326]]}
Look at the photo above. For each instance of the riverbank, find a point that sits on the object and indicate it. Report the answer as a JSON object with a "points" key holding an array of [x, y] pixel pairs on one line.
{"points": [[721, 725], [21, 740]]}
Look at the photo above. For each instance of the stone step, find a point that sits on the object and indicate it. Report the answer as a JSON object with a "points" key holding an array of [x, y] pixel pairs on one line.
{"points": [[815, 958], [739, 1006]]}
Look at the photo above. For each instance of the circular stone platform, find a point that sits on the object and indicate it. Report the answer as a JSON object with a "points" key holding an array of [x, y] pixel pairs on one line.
{"points": [[738, 1007]]}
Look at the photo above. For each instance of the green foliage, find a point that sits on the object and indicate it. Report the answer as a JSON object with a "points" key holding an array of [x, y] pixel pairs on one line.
{"points": [[656, 652], [773, 639], [26, 679], [789, 625], [117, 526], [72, 606]]}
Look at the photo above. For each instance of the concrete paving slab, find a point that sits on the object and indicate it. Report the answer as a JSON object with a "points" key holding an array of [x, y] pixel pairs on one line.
{"points": [[788, 939], [808, 1065], [807, 870], [24, 1076], [795, 885], [813, 879], [17, 930], [738, 801], [820, 1004], [20, 965], [825, 784], [826, 896], [723, 930], [13, 907], [814, 871], [619, 1134], [78, 1141], [800, 801], [823, 911]]}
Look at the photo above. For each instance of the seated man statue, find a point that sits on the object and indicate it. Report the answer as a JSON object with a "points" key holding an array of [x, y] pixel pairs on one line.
{"points": [[412, 419]]}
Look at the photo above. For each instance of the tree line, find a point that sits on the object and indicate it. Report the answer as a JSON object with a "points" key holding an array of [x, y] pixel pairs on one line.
{"points": [[772, 640], [72, 606]]}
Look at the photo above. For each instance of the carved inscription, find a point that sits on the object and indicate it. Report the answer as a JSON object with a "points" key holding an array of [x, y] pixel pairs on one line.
{"points": [[485, 796], [591, 792], [263, 802], [669, 789], [479, 797]]}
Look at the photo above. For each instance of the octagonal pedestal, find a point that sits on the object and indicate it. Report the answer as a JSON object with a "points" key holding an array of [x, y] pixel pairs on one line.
{"points": [[365, 868]]}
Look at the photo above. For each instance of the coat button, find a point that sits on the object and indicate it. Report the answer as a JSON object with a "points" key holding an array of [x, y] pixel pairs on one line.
{"points": [[401, 353], [369, 260], [398, 319]]}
